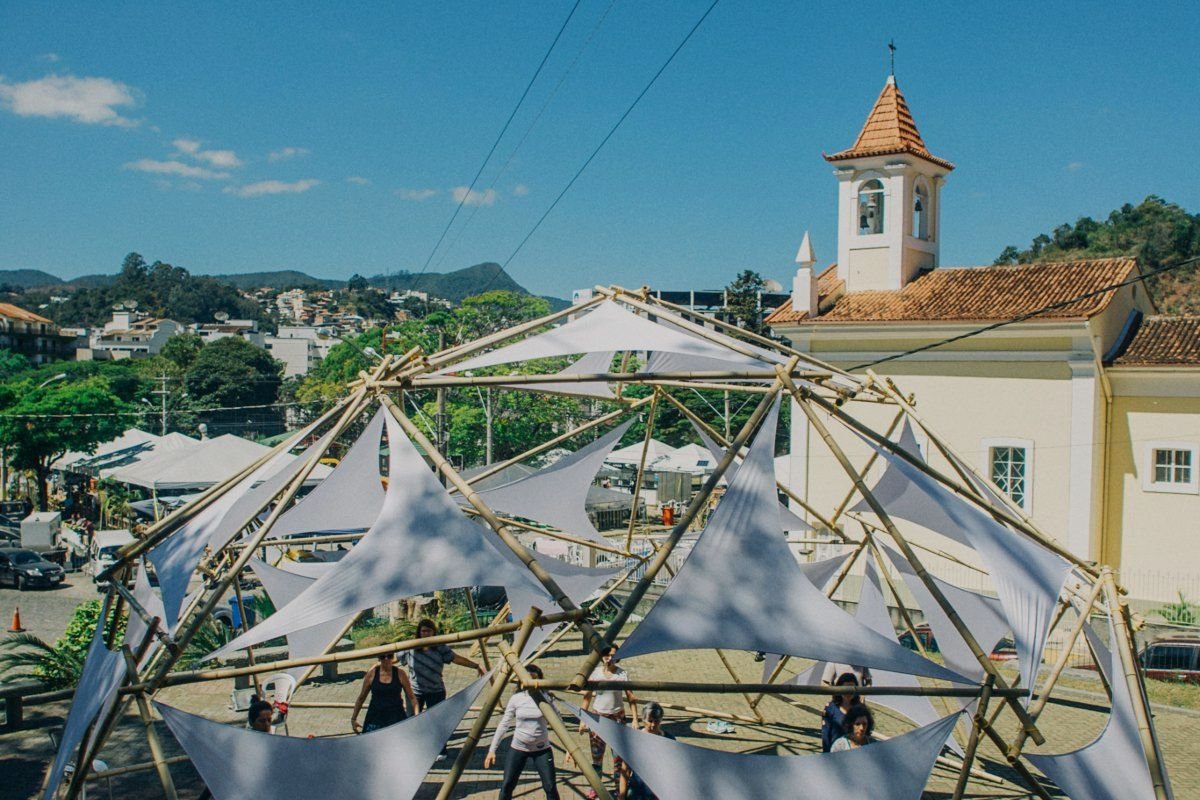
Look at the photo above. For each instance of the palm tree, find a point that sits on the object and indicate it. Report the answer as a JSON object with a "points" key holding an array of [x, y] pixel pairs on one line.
{"points": [[23, 655]]}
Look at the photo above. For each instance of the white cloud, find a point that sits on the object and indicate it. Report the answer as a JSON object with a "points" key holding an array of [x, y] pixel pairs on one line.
{"points": [[177, 168], [223, 159], [1075, 166], [520, 190], [50, 58], [418, 195], [272, 187], [286, 153], [474, 197], [93, 101], [358, 180]]}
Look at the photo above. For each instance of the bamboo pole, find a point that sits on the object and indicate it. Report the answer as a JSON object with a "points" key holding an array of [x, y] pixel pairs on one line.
{"points": [[545, 646], [569, 742], [1019, 766], [910, 555], [556, 534], [773, 688], [721, 440], [641, 471], [837, 512], [483, 654], [488, 707], [681, 527], [526, 556], [1124, 646], [132, 768], [973, 740], [760, 387], [245, 619], [156, 751], [534, 379]]}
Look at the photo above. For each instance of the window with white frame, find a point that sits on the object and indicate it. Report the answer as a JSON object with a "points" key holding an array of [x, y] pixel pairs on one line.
{"points": [[1010, 468], [1171, 467]]}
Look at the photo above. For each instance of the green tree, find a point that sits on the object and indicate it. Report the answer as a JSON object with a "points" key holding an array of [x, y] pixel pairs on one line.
{"points": [[182, 349], [45, 423], [357, 283], [742, 306], [12, 364], [229, 375]]}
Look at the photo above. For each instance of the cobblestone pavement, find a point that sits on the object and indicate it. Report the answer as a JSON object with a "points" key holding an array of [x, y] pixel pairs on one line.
{"points": [[789, 730], [46, 612]]}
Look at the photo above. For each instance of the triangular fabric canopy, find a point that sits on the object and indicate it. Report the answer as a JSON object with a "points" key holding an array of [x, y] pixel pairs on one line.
{"points": [[283, 587], [820, 573], [1028, 577], [348, 500], [897, 769], [587, 364], [103, 671], [872, 611], [788, 519], [1113, 767], [176, 557], [557, 495], [982, 615], [610, 327], [1103, 658], [135, 629], [236, 762], [421, 542], [741, 588]]}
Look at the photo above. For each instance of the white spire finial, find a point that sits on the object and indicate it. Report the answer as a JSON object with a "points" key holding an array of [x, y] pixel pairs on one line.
{"points": [[805, 256]]}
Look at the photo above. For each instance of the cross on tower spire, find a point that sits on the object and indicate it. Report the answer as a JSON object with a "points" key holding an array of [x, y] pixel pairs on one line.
{"points": [[892, 53]]}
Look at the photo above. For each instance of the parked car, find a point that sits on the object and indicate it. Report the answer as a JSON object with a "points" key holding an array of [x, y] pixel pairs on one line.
{"points": [[1174, 659], [927, 640], [25, 568]]}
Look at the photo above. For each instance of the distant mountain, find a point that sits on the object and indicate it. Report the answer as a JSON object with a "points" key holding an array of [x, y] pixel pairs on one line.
{"points": [[454, 286], [27, 278], [282, 280]]}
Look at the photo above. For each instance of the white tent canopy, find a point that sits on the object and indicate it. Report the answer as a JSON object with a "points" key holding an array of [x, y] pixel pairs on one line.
{"points": [[741, 582], [690, 458], [131, 439], [631, 455], [208, 462]]}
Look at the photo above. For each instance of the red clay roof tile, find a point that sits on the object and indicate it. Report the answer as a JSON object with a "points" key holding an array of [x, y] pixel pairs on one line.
{"points": [[1164, 341]]}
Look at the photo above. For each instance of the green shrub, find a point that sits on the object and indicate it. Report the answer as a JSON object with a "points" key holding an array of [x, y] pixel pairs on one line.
{"points": [[1183, 612], [57, 665]]}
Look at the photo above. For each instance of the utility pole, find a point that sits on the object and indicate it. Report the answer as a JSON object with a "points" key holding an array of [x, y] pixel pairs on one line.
{"points": [[487, 416], [162, 393]]}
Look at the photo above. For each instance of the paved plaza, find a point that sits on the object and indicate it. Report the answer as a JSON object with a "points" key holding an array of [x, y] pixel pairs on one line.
{"points": [[788, 730]]}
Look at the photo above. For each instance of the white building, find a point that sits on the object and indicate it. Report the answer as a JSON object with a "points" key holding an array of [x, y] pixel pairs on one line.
{"points": [[299, 347]]}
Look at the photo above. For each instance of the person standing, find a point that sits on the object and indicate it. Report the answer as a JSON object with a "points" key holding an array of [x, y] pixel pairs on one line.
{"points": [[636, 788], [388, 687], [425, 666], [610, 704], [857, 727], [836, 712], [530, 741]]}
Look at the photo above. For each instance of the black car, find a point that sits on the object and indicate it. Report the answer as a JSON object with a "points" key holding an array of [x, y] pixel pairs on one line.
{"points": [[23, 568]]}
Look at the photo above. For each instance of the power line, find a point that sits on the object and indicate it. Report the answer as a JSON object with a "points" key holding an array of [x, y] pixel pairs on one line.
{"points": [[495, 144], [603, 142], [142, 411], [1143, 276]]}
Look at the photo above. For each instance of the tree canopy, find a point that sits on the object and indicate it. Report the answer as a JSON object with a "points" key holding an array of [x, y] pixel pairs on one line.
{"points": [[229, 373]]}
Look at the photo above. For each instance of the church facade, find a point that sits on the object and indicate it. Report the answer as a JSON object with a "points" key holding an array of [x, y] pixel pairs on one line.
{"points": [[1087, 415]]}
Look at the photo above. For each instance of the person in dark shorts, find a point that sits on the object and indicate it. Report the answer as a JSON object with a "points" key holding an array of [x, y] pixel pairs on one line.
{"points": [[388, 687]]}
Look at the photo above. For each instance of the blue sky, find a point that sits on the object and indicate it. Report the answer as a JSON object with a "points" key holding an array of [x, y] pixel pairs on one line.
{"points": [[236, 137]]}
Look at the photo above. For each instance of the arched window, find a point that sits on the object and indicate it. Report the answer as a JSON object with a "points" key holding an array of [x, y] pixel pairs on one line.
{"points": [[920, 213], [870, 208]]}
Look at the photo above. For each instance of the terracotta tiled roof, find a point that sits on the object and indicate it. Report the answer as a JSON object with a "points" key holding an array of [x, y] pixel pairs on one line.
{"points": [[14, 312], [889, 129], [971, 294], [1164, 341]]}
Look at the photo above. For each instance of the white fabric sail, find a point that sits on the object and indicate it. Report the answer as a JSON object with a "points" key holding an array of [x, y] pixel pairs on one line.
{"points": [[176, 557], [820, 573], [103, 671], [872, 611], [587, 364], [283, 587], [421, 542], [897, 769], [557, 494], [741, 588], [982, 615], [236, 762], [1027, 576], [1102, 656], [348, 500], [1113, 767], [609, 327], [788, 519], [151, 603]]}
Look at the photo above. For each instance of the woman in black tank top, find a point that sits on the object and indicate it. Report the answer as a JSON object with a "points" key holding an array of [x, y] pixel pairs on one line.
{"points": [[384, 683]]}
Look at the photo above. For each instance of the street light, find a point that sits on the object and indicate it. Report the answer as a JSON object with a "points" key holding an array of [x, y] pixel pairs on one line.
{"points": [[60, 376]]}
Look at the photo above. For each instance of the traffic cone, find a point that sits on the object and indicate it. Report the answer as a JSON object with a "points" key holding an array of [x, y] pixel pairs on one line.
{"points": [[16, 622]]}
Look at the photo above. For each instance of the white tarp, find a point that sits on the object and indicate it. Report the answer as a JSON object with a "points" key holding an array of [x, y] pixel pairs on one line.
{"points": [[176, 557], [236, 762], [1113, 767], [1027, 576], [610, 327], [208, 462], [690, 458], [897, 769], [421, 542], [820, 573], [557, 495], [151, 603], [741, 588], [788, 519], [587, 364], [982, 615], [348, 500], [631, 455], [103, 671], [132, 439], [283, 587]]}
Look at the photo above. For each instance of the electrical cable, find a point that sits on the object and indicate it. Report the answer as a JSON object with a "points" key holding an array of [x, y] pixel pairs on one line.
{"points": [[495, 144], [1143, 276], [599, 147]]}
